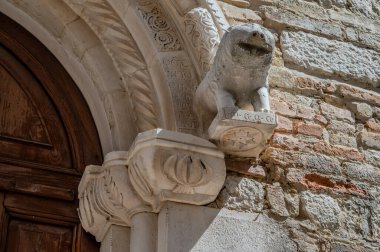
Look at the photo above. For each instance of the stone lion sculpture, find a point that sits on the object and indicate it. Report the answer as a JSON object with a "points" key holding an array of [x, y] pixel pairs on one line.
{"points": [[238, 77]]}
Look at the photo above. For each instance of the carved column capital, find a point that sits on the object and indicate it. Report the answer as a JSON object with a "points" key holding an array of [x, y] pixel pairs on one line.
{"points": [[161, 166], [172, 166], [106, 196]]}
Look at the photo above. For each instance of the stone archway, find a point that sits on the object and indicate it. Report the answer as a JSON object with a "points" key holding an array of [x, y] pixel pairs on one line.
{"points": [[135, 77]]}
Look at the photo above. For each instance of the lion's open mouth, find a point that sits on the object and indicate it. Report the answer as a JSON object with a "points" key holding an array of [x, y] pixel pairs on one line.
{"points": [[254, 49]]}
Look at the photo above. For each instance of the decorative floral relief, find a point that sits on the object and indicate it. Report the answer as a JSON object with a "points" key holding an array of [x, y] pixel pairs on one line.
{"points": [[203, 35], [241, 138], [163, 33], [187, 171]]}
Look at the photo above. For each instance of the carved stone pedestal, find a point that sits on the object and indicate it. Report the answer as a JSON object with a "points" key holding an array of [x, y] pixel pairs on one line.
{"points": [[241, 132]]}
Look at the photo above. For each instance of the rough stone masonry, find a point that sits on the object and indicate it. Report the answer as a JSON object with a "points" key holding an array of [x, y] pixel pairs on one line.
{"points": [[319, 177]]}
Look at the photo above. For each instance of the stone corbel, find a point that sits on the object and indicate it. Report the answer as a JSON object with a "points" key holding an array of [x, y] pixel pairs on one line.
{"points": [[232, 101], [172, 166], [161, 166]]}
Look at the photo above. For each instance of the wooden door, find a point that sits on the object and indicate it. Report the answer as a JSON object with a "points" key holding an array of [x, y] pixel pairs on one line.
{"points": [[47, 137]]}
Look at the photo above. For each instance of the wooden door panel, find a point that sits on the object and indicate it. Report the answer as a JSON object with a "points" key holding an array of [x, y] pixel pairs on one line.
{"points": [[30, 127], [31, 237], [47, 137]]}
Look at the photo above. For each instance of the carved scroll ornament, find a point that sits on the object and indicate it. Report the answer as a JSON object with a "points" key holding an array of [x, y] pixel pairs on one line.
{"points": [[203, 35]]}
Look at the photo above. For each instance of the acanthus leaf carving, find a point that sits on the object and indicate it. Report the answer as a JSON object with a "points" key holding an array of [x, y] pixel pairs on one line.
{"points": [[102, 193], [112, 190]]}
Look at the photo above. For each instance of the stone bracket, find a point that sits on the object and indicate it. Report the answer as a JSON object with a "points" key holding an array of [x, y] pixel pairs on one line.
{"points": [[172, 166], [161, 166], [241, 132]]}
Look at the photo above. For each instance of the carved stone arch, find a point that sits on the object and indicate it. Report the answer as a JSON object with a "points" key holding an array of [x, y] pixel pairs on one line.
{"points": [[145, 74], [77, 48], [164, 46]]}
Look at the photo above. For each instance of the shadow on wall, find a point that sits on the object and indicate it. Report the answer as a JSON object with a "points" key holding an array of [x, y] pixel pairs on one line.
{"points": [[185, 227]]}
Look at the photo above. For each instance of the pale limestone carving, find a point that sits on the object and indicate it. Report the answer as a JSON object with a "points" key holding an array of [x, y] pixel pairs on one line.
{"points": [[106, 197], [126, 56], [187, 172], [165, 36], [234, 88], [217, 14], [160, 166], [172, 166], [238, 3], [203, 35], [182, 81], [184, 6]]}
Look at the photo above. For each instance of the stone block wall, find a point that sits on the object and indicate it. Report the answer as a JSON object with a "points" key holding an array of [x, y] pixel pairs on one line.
{"points": [[320, 175]]}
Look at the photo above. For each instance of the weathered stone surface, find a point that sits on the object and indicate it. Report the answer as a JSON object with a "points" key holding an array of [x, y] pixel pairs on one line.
{"points": [[246, 167], [360, 94], [331, 57], [376, 110], [343, 139], [320, 163], [293, 111], [234, 14], [321, 209], [284, 124], [370, 140], [362, 111], [362, 172], [287, 142], [242, 194], [341, 247], [338, 151], [292, 204], [294, 98], [341, 127], [309, 129], [373, 126], [275, 197], [356, 218], [332, 113], [372, 157], [282, 18], [203, 229], [309, 161], [307, 180], [295, 81]]}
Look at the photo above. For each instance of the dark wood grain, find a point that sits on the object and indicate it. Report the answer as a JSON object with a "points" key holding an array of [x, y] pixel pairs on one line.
{"points": [[47, 137]]}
